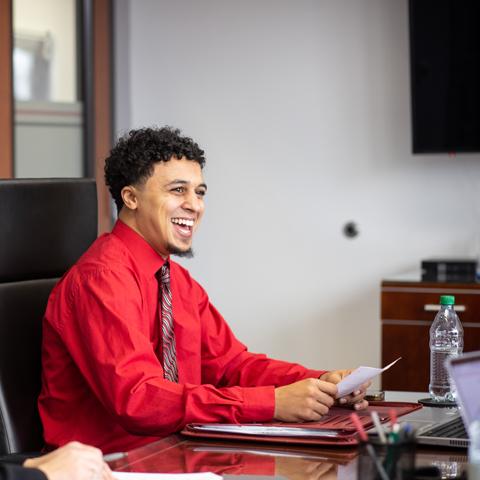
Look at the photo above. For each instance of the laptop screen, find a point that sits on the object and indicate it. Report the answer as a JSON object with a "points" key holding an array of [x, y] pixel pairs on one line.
{"points": [[465, 372]]}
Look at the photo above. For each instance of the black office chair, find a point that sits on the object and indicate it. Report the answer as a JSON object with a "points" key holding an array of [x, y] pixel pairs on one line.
{"points": [[45, 225]]}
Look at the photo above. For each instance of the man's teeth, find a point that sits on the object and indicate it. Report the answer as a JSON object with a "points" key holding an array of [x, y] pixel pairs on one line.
{"points": [[183, 221]]}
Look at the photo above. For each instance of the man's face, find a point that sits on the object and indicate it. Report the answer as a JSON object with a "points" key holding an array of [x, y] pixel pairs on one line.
{"points": [[169, 206]]}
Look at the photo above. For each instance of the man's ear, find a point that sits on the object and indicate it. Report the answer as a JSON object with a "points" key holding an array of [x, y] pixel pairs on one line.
{"points": [[129, 197]]}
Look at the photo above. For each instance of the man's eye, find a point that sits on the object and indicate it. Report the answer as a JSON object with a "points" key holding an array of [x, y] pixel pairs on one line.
{"points": [[201, 193], [178, 189]]}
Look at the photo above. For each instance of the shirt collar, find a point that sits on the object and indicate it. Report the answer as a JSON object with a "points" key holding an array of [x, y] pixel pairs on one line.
{"points": [[147, 258]]}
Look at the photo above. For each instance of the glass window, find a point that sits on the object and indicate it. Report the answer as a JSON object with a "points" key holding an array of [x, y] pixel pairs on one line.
{"points": [[48, 110], [45, 50]]}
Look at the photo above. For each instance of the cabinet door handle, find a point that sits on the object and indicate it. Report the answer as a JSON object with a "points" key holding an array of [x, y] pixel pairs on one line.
{"points": [[432, 307]]}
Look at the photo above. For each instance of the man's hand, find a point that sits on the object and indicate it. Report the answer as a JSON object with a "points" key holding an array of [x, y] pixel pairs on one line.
{"points": [[356, 399], [305, 400], [73, 461]]}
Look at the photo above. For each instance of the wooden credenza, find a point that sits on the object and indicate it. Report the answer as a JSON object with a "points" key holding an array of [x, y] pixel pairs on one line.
{"points": [[407, 311]]}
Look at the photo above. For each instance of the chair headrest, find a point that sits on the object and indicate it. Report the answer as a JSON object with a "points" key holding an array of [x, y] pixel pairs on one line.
{"points": [[45, 225]]}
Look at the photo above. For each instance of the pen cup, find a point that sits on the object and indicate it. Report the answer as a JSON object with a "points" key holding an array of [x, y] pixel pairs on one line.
{"points": [[386, 461]]}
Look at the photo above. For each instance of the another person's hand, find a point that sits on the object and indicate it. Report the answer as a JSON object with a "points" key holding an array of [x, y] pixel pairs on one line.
{"points": [[305, 400], [357, 398], [74, 461]]}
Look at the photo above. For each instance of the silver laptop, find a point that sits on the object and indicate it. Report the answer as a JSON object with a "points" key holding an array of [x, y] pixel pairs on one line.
{"points": [[447, 426]]}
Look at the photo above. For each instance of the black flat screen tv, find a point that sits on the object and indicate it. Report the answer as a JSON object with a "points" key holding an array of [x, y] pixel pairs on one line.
{"points": [[445, 75]]}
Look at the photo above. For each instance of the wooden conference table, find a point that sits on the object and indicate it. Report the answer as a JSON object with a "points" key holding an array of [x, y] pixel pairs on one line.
{"points": [[178, 454]]}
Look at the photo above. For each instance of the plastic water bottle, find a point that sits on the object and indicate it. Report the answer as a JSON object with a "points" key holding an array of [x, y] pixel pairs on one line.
{"points": [[446, 340]]}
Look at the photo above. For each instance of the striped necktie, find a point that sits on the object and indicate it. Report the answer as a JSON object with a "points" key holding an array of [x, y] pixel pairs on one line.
{"points": [[170, 371]]}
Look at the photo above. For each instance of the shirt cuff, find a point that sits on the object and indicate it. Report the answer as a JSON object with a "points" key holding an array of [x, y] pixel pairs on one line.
{"points": [[259, 404], [315, 373]]}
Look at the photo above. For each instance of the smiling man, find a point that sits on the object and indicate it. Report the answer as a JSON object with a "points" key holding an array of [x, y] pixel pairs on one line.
{"points": [[166, 209], [133, 349]]}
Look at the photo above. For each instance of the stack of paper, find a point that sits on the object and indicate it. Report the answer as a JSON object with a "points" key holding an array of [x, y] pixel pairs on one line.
{"points": [[269, 430]]}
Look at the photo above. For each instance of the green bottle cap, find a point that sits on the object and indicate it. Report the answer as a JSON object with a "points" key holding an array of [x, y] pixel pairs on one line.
{"points": [[447, 300]]}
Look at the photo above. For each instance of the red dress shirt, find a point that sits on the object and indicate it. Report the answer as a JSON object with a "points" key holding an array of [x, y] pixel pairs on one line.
{"points": [[101, 356], [192, 457]]}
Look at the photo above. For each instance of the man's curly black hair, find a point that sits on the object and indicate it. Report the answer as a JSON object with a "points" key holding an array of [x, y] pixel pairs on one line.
{"points": [[132, 159]]}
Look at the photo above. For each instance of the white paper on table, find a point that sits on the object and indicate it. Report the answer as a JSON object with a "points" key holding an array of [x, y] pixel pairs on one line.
{"points": [[360, 375], [268, 430], [165, 476]]}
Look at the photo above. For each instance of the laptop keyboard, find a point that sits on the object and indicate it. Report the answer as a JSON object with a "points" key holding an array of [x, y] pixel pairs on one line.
{"points": [[453, 429]]}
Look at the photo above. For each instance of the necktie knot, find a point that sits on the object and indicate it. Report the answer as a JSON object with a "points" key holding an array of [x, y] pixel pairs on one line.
{"points": [[164, 274]]}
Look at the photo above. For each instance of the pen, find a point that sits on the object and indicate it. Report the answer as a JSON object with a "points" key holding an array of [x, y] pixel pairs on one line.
{"points": [[358, 425], [393, 419], [111, 457], [378, 426], [393, 437]]}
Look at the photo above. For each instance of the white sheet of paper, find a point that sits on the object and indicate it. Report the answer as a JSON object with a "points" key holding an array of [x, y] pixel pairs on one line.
{"points": [[268, 430], [165, 476], [360, 375]]}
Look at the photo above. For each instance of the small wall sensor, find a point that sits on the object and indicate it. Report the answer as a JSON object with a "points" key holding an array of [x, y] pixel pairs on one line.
{"points": [[350, 230]]}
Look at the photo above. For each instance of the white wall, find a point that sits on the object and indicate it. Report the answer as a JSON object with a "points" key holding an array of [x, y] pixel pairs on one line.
{"points": [[303, 110]]}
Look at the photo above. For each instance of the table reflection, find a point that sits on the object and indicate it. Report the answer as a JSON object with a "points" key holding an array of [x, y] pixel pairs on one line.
{"points": [[175, 455]]}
